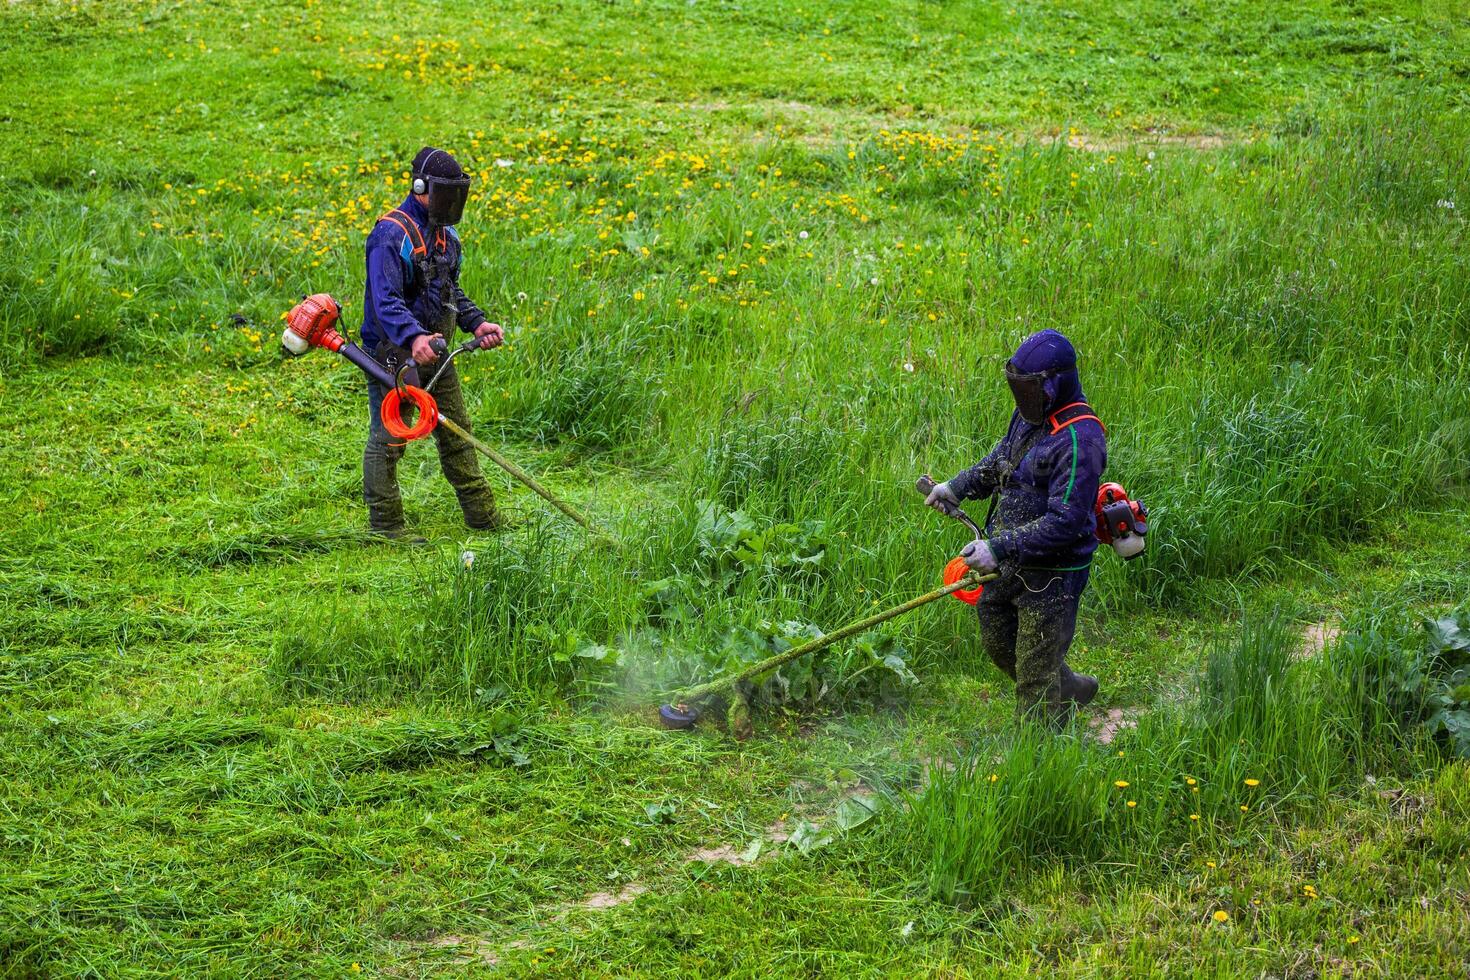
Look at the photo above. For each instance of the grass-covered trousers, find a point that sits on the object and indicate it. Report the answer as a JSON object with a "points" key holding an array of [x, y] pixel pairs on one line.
{"points": [[1027, 620], [456, 456]]}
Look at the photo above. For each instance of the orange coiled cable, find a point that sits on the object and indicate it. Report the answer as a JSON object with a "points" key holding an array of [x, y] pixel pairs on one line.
{"points": [[392, 413], [953, 572]]}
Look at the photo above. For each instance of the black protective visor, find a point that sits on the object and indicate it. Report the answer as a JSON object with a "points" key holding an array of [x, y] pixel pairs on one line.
{"points": [[447, 197], [1029, 391]]}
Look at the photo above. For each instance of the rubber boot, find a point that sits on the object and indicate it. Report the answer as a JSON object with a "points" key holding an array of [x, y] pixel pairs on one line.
{"points": [[1078, 688], [397, 535], [492, 521]]}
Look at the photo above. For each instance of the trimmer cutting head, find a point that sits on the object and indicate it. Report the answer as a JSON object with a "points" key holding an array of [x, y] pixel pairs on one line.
{"points": [[677, 716]]}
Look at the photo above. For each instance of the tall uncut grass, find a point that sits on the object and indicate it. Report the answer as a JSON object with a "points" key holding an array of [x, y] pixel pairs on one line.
{"points": [[514, 616], [1266, 739], [1273, 331]]}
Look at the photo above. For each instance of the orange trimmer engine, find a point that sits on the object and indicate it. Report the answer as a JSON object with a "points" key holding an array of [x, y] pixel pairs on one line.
{"points": [[313, 323], [1121, 522]]}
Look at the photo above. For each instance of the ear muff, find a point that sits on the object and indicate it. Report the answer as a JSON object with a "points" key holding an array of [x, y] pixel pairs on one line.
{"points": [[420, 186]]}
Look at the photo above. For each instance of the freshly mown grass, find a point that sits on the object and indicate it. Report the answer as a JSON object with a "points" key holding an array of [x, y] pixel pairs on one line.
{"points": [[756, 258]]}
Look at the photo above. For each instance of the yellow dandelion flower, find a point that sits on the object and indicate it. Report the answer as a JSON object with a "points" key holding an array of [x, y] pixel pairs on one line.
{"points": [[1353, 939], [1189, 780], [1194, 816], [1132, 804], [1244, 808], [1121, 783], [1221, 915], [1253, 782]]}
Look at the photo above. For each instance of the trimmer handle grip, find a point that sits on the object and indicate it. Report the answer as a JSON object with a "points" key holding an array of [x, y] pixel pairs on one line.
{"points": [[436, 344], [925, 485]]}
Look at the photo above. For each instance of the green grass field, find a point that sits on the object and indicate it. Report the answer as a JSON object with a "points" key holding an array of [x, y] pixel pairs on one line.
{"points": [[760, 264]]}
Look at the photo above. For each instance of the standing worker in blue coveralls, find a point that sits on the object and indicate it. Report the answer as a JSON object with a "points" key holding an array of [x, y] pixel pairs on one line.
{"points": [[412, 298], [1040, 534]]}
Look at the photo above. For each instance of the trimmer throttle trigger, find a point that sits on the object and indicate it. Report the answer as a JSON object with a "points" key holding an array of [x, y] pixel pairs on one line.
{"points": [[439, 346]]}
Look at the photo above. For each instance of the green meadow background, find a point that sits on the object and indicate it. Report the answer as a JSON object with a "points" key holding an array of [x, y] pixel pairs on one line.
{"points": [[760, 264]]}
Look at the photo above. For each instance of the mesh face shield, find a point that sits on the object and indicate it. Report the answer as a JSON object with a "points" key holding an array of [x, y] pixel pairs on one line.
{"points": [[1029, 391], [447, 196]]}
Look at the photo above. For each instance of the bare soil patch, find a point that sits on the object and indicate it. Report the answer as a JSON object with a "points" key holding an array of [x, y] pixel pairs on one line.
{"points": [[1144, 140], [473, 949], [1318, 637], [717, 855], [1108, 723], [607, 900]]}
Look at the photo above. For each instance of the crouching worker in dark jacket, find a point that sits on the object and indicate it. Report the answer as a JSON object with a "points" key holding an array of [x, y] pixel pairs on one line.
{"points": [[1040, 535], [413, 297]]}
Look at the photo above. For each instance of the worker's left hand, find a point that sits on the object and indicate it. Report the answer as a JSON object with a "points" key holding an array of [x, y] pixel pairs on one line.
{"points": [[943, 499], [490, 335], [978, 556]]}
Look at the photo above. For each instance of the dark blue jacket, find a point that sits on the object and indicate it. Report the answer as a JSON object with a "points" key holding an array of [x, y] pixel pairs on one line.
{"points": [[1046, 484], [400, 302]]}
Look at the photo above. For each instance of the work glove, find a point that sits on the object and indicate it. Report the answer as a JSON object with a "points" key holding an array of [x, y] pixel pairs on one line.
{"points": [[979, 557], [490, 335], [422, 352], [943, 499]]}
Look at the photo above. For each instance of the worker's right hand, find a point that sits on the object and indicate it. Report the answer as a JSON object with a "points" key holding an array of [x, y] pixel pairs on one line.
{"points": [[943, 499], [422, 352]]}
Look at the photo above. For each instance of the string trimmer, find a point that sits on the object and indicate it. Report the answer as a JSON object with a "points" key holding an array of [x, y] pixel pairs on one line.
{"points": [[959, 581], [313, 323]]}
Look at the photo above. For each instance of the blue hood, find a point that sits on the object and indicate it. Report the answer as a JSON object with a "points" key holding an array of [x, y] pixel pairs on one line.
{"points": [[1050, 350]]}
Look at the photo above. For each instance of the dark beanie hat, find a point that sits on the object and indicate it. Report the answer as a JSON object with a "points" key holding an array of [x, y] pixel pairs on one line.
{"points": [[433, 162]]}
